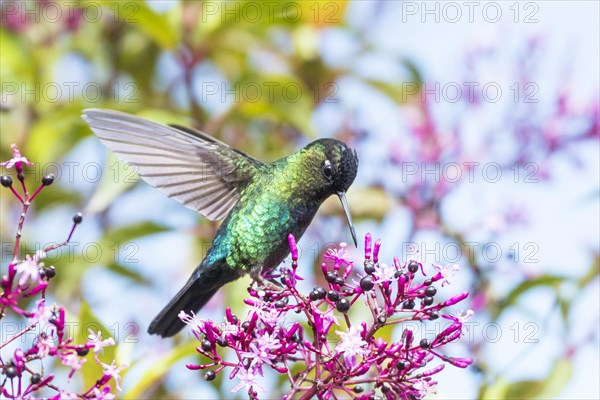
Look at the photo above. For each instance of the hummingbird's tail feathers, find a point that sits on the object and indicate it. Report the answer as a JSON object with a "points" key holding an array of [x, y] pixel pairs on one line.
{"points": [[191, 298], [189, 166]]}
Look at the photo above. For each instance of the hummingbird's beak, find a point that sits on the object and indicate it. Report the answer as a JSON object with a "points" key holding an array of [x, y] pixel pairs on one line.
{"points": [[342, 197]]}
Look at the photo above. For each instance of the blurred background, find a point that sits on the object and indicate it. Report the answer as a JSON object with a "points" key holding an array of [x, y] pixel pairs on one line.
{"points": [[476, 125]]}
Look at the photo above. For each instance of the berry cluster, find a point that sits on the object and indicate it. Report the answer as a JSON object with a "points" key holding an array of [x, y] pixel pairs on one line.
{"points": [[314, 341]]}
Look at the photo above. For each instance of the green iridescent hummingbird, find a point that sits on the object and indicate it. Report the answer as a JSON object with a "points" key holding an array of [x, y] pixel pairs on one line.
{"points": [[261, 203]]}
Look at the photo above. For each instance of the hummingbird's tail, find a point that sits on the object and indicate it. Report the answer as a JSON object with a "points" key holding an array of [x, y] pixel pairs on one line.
{"points": [[193, 296]]}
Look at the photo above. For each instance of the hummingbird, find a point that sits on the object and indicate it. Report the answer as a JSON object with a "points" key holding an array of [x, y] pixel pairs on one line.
{"points": [[260, 203]]}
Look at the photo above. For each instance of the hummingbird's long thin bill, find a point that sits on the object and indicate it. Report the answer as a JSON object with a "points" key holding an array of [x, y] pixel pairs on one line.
{"points": [[342, 197]]}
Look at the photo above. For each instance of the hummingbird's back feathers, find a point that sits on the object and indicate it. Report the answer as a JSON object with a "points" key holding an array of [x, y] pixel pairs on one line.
{"points": [[189, 166]]}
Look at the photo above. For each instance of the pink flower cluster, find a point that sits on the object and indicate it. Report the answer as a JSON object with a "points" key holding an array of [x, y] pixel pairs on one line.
{"points": [[22, 374], [316, 343]]}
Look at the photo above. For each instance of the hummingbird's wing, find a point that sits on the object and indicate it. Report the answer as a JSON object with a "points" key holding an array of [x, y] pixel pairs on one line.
{"points": [[189, 166]]}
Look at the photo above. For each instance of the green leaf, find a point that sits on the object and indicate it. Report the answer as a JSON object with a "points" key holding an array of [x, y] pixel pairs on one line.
{"points": [[277, 97], [128, 273], [15, 64], [87, 320], [552, 281], [494, 391], [591, 273], [54, 134], [130, 232], [138, 14], [159, 368], [118, 177], [547, 388]]}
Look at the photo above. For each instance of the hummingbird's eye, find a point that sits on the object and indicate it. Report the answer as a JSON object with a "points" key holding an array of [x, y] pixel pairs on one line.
{"points": [[327, 170]]}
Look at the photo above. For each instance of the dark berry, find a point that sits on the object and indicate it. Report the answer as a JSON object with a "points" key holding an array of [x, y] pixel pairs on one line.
{"points": [[36, 378], [282, 279], [385, 389], [279, 304], [83, 352], [268, 297], [331, 277], [210, 375], [234, 319], [48, 179], [11, 372], [50, 271], [430, 291], [401, 365], [366, 283], [246, 325], [420, 293], [400, 274], [222, 341], [313, 296], [413, 266], [6, 181], [207, 345], [77, 218], [333, 295], [409, 304], [428, 282], [369, 267], [339, 281], [428, 301], [342, 305], [321, 293], [434, 315], [358, 389], [21, 176], [381, 319], [424, 344], [348, 292]]}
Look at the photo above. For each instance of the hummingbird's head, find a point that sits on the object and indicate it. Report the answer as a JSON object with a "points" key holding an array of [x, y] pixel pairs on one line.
{"points": [[336, 166], [338, 162]]}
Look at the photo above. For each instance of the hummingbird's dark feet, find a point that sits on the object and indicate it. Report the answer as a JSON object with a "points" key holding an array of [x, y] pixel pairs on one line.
{"points": [[262, 283], [265, 284]]}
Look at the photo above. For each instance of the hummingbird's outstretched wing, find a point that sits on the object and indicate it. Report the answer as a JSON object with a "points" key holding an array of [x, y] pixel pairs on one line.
{"points": [[189, 166]]}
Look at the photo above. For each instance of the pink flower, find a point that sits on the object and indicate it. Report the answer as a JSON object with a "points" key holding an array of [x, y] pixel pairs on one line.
{"points": [[44, 345], [447, 272], [425, 388], [73, 361], [384, 273], [351, 345], [42, 314], [103, 394], [98, 342], [30, 269], [17, 159], [248, 379], [114, 372]]}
